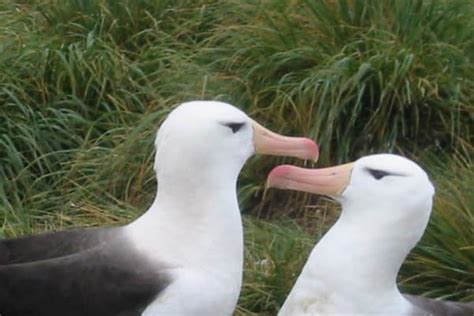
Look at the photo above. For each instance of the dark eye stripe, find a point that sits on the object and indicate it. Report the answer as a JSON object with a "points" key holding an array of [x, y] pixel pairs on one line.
{"points": [[378, 174], [235, 127]]}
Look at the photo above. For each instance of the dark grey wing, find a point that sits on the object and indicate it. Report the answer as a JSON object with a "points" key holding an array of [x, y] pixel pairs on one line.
{"points": [[441, 308], [109, 280], [51, 245]]}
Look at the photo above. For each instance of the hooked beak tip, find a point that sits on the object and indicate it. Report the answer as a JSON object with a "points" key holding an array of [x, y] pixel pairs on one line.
{"points": [[278, 172], [313, 150]]}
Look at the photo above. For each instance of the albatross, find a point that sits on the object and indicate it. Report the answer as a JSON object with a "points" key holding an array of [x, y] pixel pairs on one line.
{"points": [[182, 257], [386, 204]]}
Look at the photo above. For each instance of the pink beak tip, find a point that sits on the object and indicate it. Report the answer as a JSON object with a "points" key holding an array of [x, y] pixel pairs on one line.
{"points": [[313, 149], [277, 172]]}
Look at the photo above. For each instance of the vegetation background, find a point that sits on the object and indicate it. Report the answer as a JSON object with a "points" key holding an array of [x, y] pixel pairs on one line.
{"points": [[84, 84]]}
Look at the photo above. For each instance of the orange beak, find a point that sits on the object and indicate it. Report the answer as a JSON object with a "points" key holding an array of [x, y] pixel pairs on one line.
{"points": [[326, 181], [269, 143]]}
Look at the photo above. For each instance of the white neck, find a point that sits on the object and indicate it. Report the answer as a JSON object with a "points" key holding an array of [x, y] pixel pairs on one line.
{"points": [[355, 265], [194, 223]]}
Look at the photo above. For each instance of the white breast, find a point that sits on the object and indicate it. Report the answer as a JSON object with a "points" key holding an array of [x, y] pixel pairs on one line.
{"points": [[196, 293]]}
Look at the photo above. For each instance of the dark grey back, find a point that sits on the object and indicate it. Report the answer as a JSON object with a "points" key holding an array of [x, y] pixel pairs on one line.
{"points": [[51, 245], [441, 308], [109, 279]]}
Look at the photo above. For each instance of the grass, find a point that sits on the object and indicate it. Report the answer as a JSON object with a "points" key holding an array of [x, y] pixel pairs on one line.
{"points": [[353, 74], [84, 85]]}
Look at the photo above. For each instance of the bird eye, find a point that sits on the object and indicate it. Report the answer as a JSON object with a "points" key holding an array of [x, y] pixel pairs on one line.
{"points": [[235, 127], [378, 174]]}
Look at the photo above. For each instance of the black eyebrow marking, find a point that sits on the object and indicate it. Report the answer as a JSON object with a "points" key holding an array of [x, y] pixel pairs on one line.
{"points": [[234, 126], [379, 174]]}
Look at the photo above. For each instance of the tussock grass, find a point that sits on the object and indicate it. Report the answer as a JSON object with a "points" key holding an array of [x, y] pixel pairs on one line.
{"points": [[77, 98], [358, 76]]}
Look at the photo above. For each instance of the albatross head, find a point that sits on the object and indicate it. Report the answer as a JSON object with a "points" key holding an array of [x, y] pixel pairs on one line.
{"points": [[388, 191], [215, 139], [389, 180]]}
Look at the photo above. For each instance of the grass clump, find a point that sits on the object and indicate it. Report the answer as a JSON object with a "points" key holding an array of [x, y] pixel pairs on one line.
{"points": [[77, 97], [355, 74]]}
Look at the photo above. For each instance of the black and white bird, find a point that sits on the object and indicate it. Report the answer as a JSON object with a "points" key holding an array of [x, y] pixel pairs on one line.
{"points": [[182, 257], [386, 204]]}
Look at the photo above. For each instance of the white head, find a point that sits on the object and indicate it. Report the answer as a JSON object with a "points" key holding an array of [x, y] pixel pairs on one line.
{"points": [[386, 186], [388, 181], [210, 140], [386, 200]]}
